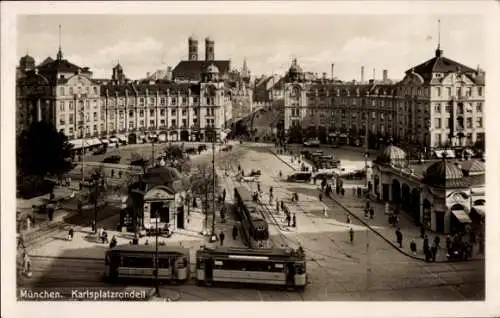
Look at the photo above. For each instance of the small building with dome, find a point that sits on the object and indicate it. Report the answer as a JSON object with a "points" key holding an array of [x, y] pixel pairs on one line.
{"points": [[160, 193], [443, 195]]}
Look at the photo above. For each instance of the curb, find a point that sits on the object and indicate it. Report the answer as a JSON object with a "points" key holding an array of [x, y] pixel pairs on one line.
{"points": [[152, 296], [373, 230]]}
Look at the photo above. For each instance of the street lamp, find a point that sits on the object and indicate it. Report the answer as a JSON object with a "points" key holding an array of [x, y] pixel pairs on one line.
{"points": [[157, 256], [213, 237]]}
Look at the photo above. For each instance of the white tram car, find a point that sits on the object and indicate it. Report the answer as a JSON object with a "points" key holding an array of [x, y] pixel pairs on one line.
{"points": [[283, 266], [139, 262]]}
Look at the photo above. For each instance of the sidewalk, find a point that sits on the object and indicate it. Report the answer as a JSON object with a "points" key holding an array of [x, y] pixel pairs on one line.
{"points": [[380, 225]]}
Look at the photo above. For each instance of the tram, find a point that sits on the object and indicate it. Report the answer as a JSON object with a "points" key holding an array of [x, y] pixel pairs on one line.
{"points": [[139, 262], [253, 226], [278, 266]]}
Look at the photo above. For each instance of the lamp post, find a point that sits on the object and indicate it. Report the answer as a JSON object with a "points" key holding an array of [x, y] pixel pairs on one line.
{"points": [[157, 256], [213, 237]]}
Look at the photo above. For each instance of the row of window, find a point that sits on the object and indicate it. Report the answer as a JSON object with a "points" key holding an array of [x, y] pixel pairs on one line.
{"points": [[141, 124], [86, 103], [460, 108], [459, 91], [78, 90], [460, 123]]}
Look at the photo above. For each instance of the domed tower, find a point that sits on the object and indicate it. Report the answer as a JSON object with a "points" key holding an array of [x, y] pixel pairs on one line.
{"points": [[193, 48], [26, 63], [295, 73], [209, 49], [212, 73], [393, 155], [444, 174]]}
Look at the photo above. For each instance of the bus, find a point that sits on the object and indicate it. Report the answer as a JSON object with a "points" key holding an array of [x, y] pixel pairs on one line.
{"points": [[277, 266], [139, 262]]}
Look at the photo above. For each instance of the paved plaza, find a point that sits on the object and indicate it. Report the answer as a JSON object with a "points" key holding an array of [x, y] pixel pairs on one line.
{"points": [[370, 267]]}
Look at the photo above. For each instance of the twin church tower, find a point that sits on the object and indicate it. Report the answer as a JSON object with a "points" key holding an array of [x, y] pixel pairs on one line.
{"points": [[209, 49]]}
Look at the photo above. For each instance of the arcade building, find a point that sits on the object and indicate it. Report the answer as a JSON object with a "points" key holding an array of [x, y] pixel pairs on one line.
{"points": [[444, 195]]}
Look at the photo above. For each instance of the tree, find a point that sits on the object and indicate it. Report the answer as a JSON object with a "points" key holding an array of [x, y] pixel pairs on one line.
{"points": [[201, 184], [42, 151], [176, 157], [136, 159], [295, 134], [97, 189]]}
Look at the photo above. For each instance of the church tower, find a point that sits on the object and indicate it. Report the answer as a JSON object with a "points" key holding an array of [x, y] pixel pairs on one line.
{"points": [[193, 48], [209, 49]]}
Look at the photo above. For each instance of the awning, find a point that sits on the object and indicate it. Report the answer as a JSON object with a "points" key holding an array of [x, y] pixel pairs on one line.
{"points": [[122, 138], [105, 141], [113, 139], [468, 151], [162, 137], [450, 153], [152, 136], [461, 216], [480, 210], [438, 153], [79, 143]]}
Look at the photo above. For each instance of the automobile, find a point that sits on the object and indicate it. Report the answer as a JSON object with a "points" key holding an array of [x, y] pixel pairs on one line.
{"points": [[323, 175], [311, 143], [112, 159], [254, 173], [100, 151], [300, 177], [248, 178]]}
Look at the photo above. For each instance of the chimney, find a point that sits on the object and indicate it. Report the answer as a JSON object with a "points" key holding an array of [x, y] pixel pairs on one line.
{"points": [[384, 76], [333, 65], [362, 74]]}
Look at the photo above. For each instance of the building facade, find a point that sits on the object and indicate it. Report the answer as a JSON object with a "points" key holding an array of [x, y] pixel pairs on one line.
{"points": [[65, 94], [439, 103]]}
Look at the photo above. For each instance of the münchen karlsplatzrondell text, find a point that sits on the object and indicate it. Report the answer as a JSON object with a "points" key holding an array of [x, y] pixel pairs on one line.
{"points": [[82, 294]]}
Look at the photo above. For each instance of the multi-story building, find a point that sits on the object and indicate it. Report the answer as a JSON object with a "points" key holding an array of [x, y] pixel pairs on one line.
{"points": [[66, 95], [438, 103]]}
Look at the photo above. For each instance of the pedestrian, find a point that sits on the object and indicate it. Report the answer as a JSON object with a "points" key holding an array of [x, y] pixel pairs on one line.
{"points": [[433, 252], [94, 229], [351, 235], [221, 237], [325, 213], [224, 195], [288, 220], [113, 242], [26, 264], [277, 206], [70, 234], [271, 191], [320, 196], [294, 221], [399, 237], [437, 239], [80, 207], [426, 244], [112, 173], [358, 190], [281, 174], [235, 232], [348, 221], [342, 191], [120, 174], [372, 212], [270, 198], [396, 221], [413, 247], [147, 242], [258, 187], [448, 244]]}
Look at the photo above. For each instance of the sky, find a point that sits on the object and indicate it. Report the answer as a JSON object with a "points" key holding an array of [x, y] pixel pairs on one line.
{"points": [[146, 43]]}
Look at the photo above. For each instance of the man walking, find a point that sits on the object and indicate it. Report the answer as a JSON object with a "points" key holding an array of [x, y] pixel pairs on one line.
{"points": [[372, 212], [351, 235], [294, 221], [235, 232], [399, 238], [221, 237]]}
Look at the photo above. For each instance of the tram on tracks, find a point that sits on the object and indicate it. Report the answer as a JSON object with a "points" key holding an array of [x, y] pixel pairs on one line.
{"points": [[253, 226], [139, 262], [277, 266]]}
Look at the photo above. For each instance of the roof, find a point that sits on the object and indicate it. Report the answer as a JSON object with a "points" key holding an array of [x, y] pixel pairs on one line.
{"points": [[445, 174], [149, 248], [193, 70], [473, 166], [162, 87], [46, 61], [393, 155], [57, 65], [439, 64]]}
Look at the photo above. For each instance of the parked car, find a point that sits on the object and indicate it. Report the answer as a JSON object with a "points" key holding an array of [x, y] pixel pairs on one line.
{"points": [[300, 177], [311, 143], [112, 159]]}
